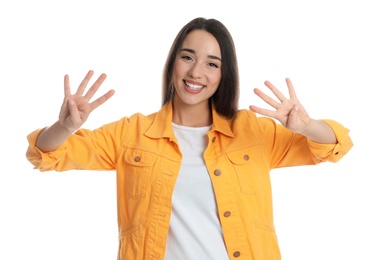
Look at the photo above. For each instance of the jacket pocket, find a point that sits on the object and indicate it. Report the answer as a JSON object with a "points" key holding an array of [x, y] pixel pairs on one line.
{"points": [[138, 167], [246, 163]]}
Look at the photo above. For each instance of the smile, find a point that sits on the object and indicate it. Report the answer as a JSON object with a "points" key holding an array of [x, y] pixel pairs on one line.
{"points": [[194, 87]]}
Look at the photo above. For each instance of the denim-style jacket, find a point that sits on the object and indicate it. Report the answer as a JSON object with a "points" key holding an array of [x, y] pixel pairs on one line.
{"points": [[145, 154]]}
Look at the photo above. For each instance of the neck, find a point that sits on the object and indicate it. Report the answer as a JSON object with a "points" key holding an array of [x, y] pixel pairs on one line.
{"points": [[193, 116]]}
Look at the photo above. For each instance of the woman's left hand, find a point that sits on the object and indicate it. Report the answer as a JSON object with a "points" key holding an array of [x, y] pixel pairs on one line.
{"points": [[289, 111]]}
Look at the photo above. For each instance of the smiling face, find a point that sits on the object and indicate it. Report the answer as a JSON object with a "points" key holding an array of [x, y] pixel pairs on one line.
{"points": [[197, 69]]}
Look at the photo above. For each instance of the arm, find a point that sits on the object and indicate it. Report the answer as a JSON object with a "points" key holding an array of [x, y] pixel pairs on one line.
{"points": [[291, 114], [74, 112]]}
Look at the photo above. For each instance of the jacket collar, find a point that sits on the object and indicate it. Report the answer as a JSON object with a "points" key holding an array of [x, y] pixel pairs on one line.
{"points": [[221, 124], [162, 124]]}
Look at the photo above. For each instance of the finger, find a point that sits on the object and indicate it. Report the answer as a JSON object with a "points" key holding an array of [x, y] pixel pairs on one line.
{"points": [[66, 86], [262, 111], [270, 101], [90, 93], [292, 92], [275, 91], [85, 81], [99, 101]]}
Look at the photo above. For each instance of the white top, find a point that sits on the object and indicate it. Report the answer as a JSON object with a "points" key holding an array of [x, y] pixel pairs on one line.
{"points": [[195, 231]]}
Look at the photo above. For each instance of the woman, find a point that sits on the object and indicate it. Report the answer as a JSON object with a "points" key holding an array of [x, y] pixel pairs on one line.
{"points": [[193, 178]]}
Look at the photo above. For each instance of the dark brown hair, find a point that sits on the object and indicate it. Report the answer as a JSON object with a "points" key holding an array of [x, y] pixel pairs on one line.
{"points": [[225, 99]]}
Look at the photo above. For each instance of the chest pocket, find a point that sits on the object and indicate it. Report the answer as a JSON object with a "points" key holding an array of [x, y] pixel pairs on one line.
{"points": [[139, 165], [246, 163]]}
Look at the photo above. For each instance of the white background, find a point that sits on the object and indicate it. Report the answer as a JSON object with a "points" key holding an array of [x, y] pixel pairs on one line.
{"points": [[326, 47]]}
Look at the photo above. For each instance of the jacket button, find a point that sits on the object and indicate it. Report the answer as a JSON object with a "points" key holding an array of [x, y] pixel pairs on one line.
{"points": [[246, 157], [137, 158], [237, 254], [227, 214], [217, 172], [213, 139]]}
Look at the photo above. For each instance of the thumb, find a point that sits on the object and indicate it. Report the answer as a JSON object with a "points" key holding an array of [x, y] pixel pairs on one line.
{"points": [[73, 110], [294, 111], [293, 116]]}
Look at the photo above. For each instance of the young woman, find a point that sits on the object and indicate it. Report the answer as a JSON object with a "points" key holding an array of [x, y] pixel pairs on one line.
{"points": [[193, 178]]}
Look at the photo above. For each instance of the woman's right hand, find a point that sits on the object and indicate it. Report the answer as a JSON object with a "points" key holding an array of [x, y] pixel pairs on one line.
{"points": [[74, 112], [76, 107]]}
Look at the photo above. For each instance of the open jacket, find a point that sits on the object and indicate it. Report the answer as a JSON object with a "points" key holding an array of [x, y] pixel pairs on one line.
{"points": [[145, 153]]}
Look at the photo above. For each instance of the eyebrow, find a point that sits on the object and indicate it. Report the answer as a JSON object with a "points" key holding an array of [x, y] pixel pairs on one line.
{"points": [[193, 52]]}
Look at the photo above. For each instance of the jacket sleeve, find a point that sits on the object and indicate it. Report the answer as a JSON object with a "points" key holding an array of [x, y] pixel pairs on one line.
{"points": [[332, 152], [42, 161], [85, 149]]}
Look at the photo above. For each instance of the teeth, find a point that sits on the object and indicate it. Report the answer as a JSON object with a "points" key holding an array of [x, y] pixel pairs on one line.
{"points": [[194, 86]]}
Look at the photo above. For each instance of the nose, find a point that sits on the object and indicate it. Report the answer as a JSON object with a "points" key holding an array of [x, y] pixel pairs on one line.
{"points": [[196, 70]]}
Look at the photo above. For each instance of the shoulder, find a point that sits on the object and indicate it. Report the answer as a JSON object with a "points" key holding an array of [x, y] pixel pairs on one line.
{"points": [[135, 119], [246, 116]]}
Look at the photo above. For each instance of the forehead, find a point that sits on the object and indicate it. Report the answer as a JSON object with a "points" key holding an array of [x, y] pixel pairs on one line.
{"points": [[202, 42]]}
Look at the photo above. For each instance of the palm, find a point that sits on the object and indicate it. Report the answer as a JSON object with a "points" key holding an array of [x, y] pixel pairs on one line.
{"points": [[289, 112], [77, 107]]}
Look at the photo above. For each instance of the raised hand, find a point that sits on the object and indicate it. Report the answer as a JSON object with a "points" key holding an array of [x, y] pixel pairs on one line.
{"points": [[74, 112], [288, 111], [77, 107]]}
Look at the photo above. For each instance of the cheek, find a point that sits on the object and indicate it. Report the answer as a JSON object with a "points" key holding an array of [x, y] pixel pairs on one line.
{"points": [[215, 79], [178, 69], [175, 74]]}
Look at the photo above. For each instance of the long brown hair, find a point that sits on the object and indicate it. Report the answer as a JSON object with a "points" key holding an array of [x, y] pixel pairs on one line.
{"points": [[225, 99]]}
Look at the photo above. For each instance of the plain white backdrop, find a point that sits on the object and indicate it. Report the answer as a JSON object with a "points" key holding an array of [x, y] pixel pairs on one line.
{"points": [[326, 47]]}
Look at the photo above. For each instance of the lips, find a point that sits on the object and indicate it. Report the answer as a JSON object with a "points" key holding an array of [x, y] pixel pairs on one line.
{"points": [[193, 88]]}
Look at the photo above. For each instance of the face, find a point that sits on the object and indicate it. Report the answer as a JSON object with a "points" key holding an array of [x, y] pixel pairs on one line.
{"points": [[197, 69]]}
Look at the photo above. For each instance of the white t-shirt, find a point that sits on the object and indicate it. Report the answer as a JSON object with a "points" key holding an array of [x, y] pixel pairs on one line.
{"points": [[195, 231]]}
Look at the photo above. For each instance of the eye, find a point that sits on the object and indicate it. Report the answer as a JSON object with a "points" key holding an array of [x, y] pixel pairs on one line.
{"points": [[185, 57], [211, 64]]}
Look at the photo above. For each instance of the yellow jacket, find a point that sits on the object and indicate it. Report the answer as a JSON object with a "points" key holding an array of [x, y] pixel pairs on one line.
{"points": [[145, 153]]}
